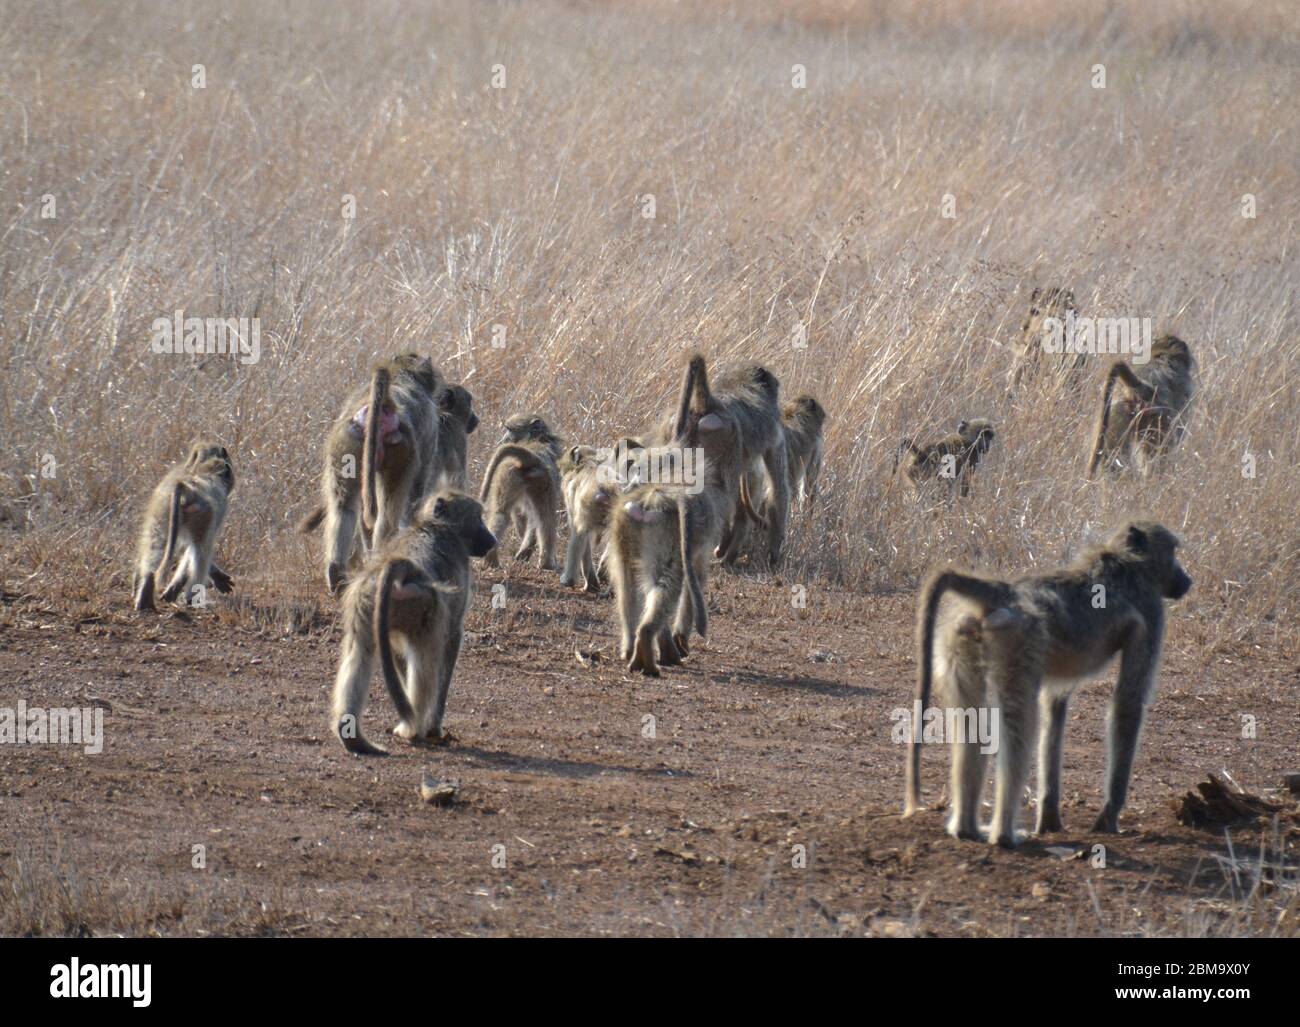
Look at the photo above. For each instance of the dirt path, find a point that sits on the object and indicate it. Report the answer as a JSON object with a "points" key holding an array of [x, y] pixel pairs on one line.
{"points": [[775, 736]]}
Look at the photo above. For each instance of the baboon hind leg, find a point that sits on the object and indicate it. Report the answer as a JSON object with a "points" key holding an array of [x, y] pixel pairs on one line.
{"points": [[1052, 710]]}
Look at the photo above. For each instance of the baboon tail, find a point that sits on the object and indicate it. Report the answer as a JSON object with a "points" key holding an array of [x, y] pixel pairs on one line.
{"points": [[173, 527], [392, 572], [990, 595], [521, 453], [696, 380], [1103, 417], [747, 504], [699, 611], [312, 521], [370, 448]]}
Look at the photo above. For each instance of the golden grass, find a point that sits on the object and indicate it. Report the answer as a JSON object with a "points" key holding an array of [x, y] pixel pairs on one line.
{"points": [[775, 206]]}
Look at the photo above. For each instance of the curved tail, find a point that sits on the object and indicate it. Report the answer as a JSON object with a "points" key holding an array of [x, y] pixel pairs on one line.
{"points": [[509, 449], [370, 448], [747, 505], [990, 595], [312, 521], [393, 571], [173, 527]]}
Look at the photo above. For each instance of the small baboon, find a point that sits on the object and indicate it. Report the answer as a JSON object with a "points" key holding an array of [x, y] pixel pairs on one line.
{"points": [[1052, 302], [458, 421], [1019, 648], [589, 486], [661, 535], [185, 512], [802, 421], [1149, 419], [952, 459], [522, 484], [414, 592], [402, 457]]}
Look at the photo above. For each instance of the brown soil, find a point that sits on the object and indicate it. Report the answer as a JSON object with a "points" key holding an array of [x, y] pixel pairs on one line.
{"points": [[775, 735]]}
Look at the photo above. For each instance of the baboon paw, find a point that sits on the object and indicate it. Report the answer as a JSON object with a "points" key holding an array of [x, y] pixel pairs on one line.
{"points": [[1106, 824], [680, 640], [360, 746], [568, 580], [438, 736], [404, 730], [592, 587], [169, 596], [1004, 841], [549, 565], [335, 579], [1048, 823], [967, 834]]}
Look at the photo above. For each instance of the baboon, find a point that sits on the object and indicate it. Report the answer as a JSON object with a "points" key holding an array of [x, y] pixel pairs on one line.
{"points": [[952, 458], [1149, 420], [402, 459], [802, 421], [458, 421], [522, 483], [1057, 303], [1021, 647], [661, 535], [414, 592], [589, 486], [749, 396], [185, 512]]}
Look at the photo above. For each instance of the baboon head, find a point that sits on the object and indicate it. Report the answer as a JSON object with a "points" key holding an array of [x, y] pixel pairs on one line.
{"points": [[463, 514], [1045, 303], [1151, 550], [528, 427], [418, 367], [210, 459], [458, 403], [977, 434], [807, 411]]}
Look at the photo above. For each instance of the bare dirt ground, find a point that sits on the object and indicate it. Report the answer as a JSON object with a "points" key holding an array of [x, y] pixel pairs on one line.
{"points": [[775, 735]]}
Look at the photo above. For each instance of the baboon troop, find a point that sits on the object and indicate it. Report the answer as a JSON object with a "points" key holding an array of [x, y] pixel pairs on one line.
{"points": [[951, 459], [1021, 647], [717, 475], [1148, 419]]}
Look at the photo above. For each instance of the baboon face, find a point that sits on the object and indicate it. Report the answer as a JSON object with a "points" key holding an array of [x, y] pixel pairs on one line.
{"points": [[458, 402], [1045, 303], [1155, 548], [522, 427], [462, 513], [977, 434]]}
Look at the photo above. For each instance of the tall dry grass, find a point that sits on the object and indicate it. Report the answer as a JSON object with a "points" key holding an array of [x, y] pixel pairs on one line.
{"points": [[775, 206]]}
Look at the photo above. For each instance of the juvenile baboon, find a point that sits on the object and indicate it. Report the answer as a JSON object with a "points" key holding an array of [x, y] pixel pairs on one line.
{"points": [[522, 483], [185, 513], [802, 421], [952, 459], [1021, 647], [1056, 303], [457, 424], [661, 535], [414, 592], [589, 491], [402, 459], [1149, 418]]}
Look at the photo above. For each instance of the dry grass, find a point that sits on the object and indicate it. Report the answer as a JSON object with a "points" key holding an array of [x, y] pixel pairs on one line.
{"points": [[775, 206]]}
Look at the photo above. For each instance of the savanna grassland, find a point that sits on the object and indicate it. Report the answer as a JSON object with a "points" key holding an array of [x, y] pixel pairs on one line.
{"points": [[560, 201]]}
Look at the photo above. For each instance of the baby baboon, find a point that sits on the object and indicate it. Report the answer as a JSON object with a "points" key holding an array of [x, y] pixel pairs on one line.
{"points": [[1052, 302], [952, 459], [457, 424], [184, 512], [802, 420], [522, 483], [1149, 419], [661, 535], [1020, 648], [414, 592], [402, 459], [590, 486]]}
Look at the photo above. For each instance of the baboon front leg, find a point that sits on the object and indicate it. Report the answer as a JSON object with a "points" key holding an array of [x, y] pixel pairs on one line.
{"points": [[497, 521], [1124, 727], [221, 581], [576, 555], [351, 688], [1052, 710], [778, 506]]}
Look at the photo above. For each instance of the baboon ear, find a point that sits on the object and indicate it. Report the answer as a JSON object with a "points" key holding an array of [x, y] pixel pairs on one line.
{"points": [[963, 427], [439, 507], [1137, 539]]}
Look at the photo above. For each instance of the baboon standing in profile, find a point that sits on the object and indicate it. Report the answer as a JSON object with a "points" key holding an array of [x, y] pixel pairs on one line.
{"points": [[1020, 648], [1052, 302], [457, 424], [413, 593], [182, 521], [661, 535], [952, 459], [522, 483], [402, 454], [1148, 420]]}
